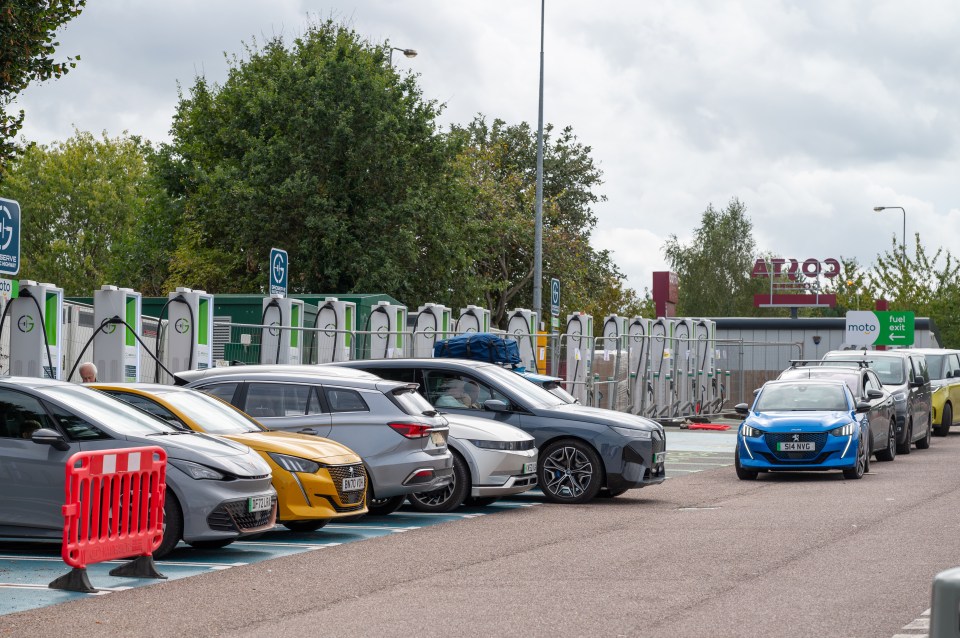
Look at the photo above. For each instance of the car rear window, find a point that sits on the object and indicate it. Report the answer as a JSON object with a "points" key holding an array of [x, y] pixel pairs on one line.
{"points": [[411, 401], [889, 369]]}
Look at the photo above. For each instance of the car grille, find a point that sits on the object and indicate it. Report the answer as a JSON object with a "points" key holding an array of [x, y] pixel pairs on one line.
{"points": [[340, 472], [659, 444], [772, 438], [234, 517]]}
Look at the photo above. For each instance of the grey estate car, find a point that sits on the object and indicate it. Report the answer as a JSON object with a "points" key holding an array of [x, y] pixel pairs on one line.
{"points": [[401, 438], [217, 490], [584, 451], [904, 374]]}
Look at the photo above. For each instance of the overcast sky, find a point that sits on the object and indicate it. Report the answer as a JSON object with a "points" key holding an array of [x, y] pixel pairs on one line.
{"points": [[810, 112]]}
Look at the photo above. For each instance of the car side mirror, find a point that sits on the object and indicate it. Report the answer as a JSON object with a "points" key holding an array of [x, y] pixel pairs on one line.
{"points": [[873, 393], [495, 405], [863, 406], [742, 409], [919, 382], [46, 436]]}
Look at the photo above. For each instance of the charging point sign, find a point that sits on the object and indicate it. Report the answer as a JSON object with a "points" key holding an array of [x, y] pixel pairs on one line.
{"points": [[279, 269], [555, 297], [9, 237]]}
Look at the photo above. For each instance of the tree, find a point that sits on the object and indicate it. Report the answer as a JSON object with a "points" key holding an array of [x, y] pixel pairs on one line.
{"points": [[324, 150], [714, 269], [92, 214], [27, 46]]}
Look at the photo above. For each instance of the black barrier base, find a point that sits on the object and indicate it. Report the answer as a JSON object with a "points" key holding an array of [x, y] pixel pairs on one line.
{"points": [[139, 567], [76, 580]]}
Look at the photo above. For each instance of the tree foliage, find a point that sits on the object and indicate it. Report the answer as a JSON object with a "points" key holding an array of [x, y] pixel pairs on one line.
{"points": [[92, 214], [714, 268], [27, 47]]}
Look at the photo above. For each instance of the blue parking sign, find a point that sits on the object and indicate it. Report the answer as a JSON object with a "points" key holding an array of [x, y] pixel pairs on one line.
{"points": [[279, 270], [555, 297], [9, 237]]}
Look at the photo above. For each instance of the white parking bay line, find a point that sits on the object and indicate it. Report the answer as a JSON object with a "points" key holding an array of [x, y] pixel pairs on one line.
{"points": [[100, 590], [384, 528], [303, 546]]}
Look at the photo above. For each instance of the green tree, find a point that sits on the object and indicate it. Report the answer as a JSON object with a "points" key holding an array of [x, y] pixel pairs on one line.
{"points": [[91, 212], [714, 268], [27, 47], [324, 150]]}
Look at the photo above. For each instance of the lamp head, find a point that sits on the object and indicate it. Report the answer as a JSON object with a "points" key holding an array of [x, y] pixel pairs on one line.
{"points": [[410, 53], [878, 208]]}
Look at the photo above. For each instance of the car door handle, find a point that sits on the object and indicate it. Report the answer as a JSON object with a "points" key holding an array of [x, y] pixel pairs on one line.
{"points": [[309, 431]]}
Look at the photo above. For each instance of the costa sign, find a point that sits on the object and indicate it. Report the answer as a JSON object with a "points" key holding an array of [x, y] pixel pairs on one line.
{"points": [[795, 270]]}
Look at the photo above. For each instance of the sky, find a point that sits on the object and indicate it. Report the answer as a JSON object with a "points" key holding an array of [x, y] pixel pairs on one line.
{"points": [[810, 112]]}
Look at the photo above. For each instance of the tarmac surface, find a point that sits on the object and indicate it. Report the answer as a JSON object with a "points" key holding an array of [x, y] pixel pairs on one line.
{"points": [[703, 554]]}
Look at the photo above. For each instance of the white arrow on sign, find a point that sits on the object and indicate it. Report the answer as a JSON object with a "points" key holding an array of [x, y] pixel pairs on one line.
{"points": [[893, 336]]}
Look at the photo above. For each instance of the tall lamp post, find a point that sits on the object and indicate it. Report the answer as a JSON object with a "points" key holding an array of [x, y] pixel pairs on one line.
{"points": [[882, 208], [538, 208], [410, 53]]}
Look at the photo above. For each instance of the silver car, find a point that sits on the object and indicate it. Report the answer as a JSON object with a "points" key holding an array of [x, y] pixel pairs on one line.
{"points": [[217, 490], [490, 460], [401, 438]]}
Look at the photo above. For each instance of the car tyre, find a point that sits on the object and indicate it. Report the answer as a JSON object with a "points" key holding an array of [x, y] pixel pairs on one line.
{"points": [[890, 452], [743, 474], [946, 420], [904, 448], [481, 501], [569, 471], [384, 506], [862, 466], [924, 443], [450, 496], [217, 544], [309, 525], [172, 525]]}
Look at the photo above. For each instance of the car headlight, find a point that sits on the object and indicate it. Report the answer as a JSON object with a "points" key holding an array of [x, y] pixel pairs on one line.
{"points": [[526, 444], [633, 433], [197, 471], [847, 430], [294, 463], [900, 396], [748, 431]]}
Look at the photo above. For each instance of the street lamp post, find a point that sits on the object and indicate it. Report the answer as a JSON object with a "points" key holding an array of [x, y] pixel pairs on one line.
{"points": [[410, 53], [881, 208], [538, 207]]}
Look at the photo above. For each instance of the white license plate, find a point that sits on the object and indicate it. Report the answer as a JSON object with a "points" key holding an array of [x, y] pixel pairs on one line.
{"points": [[259, 503], [794, 446], [354, 484], [529, 468], [658, 457], [437, 438]]}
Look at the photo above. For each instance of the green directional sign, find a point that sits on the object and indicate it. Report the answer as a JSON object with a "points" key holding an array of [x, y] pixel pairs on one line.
{"points": [[879, 328]]}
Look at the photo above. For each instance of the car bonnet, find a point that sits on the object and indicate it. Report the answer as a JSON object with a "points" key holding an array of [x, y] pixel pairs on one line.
{"points": [[785, 421], [215, 452], [586, 413], [304, 446], [476, 428]]}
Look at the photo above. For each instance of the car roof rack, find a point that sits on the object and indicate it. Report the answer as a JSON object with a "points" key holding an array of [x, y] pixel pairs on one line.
{"points": [[799, 363]]}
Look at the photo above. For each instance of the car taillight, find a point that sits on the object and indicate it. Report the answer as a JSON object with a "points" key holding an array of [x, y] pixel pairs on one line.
{"points": [[411, 430]]}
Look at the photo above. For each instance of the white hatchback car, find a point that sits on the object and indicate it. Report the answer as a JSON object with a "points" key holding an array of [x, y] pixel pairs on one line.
{"points": [[490, 460]]}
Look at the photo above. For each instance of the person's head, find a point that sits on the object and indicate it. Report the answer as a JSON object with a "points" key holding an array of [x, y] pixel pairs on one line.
{"points": [[88, 372], [454, 388], [472, 390]]}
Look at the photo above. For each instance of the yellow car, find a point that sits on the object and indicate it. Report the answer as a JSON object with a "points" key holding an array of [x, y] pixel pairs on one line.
{"points": [[316, 479], [943, 366]]}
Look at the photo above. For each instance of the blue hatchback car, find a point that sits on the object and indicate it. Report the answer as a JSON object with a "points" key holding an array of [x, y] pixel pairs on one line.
{"points": [[803, 425]]}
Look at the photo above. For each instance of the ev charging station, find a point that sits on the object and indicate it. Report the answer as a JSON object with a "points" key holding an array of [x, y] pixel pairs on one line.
{"points": [[522, 326], [189, 330], [116, 350], [614, 332], [336, 324], [36, 327], [662, 356], [685, 378], [432, 323], [473, 319], [614, 329], [281, 338], [705, 334], [638, 357], [579, 334], [385, 334]]}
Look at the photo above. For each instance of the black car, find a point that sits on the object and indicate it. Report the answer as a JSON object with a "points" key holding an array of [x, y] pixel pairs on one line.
{"points": [[865, 386], [584, 451], [904, 374]]}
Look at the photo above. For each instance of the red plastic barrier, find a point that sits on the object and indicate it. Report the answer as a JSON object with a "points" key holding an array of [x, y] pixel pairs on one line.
{"points": [[114, 504], [708, 426]]}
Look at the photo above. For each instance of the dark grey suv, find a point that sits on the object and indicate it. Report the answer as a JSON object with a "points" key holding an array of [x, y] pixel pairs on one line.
{"points": [[903, 374], [584, 451]]}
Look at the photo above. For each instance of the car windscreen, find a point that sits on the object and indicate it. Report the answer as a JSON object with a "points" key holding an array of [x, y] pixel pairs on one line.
{"points": [[935, 366], [889, 369], [213, 415], [786, 397], [119, 417], [530, 393], [412, 402]]}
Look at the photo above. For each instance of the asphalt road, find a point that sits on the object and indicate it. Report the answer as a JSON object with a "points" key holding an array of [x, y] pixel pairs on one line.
{"points": [[704, 554]]}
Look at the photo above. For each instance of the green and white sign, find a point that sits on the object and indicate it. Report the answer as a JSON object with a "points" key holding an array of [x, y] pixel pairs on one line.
{"points": [[879, 328]]}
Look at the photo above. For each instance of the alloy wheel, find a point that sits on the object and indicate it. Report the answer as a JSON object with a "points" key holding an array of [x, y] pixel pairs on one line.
{"points": [[568, 471]]}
